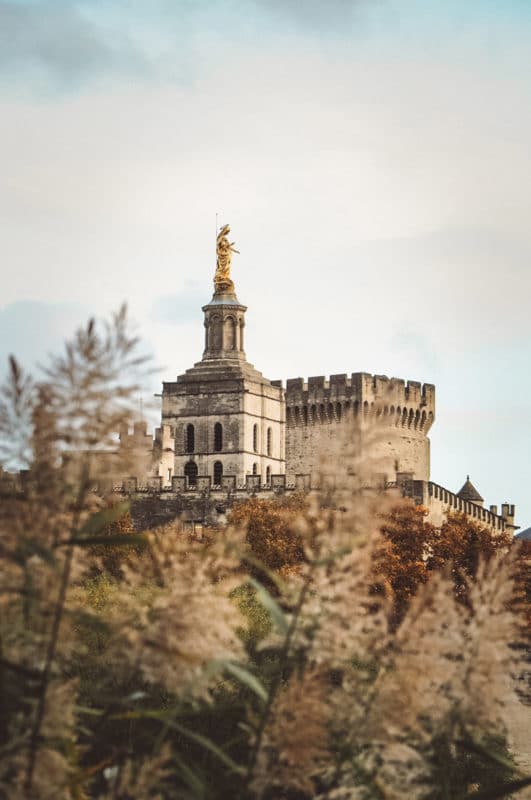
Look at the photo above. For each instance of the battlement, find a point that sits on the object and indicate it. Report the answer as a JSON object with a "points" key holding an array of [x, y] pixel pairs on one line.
{"points": [[439, 501], [319, 399], [136, 437], [154, 485]]}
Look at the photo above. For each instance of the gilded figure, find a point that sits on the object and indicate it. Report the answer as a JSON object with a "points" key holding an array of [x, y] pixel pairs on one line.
{"points": [[224, 251]]}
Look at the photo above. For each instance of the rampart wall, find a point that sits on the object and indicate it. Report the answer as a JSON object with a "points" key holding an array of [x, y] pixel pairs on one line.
{"points": [[439, 501], [394, 414]]}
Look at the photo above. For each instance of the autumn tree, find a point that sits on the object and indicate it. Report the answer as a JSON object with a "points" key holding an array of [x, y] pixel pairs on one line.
{"points": [[461, 545], [400, 561], [413, 548], [271, 533]]}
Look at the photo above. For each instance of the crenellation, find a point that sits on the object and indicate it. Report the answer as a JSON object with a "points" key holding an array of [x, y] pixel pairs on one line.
{"points": [[316, 384], [295, 385], [414, 392], [428, 394], [340, 383]]}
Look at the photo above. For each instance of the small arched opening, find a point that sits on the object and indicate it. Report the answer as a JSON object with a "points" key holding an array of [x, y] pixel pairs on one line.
{"points": [[190, 472], [189, 438], [218, 437], [218, 473], [230, 334]]}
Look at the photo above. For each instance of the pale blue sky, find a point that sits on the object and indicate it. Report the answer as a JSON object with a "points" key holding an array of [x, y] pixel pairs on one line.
{"points": [[372, 158]]}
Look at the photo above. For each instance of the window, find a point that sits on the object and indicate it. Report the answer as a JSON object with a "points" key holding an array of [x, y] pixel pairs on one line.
{"points": [[268, 474], [269, 441], [189, 439], [218, 437], [190, 471], [255, 440], [218, 472], [169, 476], [255, 468]]}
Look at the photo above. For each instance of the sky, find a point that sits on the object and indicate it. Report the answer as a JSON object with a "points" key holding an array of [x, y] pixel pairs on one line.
{"points": [[371, 156]]}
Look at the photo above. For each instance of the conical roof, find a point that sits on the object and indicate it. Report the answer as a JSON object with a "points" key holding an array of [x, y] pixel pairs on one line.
{"points": [[469, 492], [524, 535]]}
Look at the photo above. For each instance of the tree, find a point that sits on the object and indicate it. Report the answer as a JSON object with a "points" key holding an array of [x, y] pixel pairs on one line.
{"points": [[413, 548], [271, 533]]}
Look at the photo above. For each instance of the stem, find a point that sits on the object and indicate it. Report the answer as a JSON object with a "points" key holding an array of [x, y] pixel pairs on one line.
{"points": [[275, 685], [54, 636]]}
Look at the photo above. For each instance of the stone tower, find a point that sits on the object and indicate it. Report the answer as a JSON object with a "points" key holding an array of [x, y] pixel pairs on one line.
{"points": [[226, 419], [320, 411]]}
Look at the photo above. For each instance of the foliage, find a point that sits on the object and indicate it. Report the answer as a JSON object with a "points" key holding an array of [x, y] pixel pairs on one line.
{"points": [[260, 664], [271, 535], [412, 548]]}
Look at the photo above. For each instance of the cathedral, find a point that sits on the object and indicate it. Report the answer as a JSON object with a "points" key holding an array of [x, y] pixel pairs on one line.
{"points": [[225, 428]]}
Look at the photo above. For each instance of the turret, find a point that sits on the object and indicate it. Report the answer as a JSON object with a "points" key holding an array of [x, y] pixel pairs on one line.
{"points": [[469, 492], [507, 512]]}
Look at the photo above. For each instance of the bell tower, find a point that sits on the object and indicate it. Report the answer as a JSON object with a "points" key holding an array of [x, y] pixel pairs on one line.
{"points": [[226, 418], [224, 327]]}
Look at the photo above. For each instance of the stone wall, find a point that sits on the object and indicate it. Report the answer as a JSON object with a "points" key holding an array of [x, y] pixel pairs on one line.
{"points": [[388, 417], [206, 504], [439, 501]]}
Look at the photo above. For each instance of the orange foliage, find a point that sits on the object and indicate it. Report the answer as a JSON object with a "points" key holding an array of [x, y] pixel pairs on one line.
{"points": [[271, 532], [413, 548]]}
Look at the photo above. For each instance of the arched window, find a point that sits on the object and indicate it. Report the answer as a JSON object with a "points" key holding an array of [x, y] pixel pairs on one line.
{"points": [[218, 437], [255, 439], [230, 334], [269, 441], [189, 439], [218, 472], [268, 474], [190, 471], [255, 468], [215, 333]]}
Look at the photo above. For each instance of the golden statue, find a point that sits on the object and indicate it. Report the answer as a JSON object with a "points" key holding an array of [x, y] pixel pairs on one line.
{"points": [[224, 251]]}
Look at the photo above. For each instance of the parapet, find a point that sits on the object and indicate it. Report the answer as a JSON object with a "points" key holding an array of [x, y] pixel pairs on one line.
{"points": [[411, 402], [138, 437]]}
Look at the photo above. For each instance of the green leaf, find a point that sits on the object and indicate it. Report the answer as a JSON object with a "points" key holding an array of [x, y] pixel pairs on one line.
{"points": [[241, 674], [207, 744], [479, 748], [273, 576], [97, 522], [31, 547], [192, 780], [91, 712], [272, 607]]}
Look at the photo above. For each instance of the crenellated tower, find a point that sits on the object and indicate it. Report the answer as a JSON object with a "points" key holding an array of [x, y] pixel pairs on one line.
{"points": [[319, 412]]}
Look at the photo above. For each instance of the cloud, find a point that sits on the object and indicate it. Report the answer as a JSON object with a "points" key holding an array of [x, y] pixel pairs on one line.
{"points": [[60, 43], [316, 14]]}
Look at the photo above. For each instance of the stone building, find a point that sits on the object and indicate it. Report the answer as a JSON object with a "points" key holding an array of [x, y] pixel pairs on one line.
{"points": [[225, 417], [227, 429]]}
